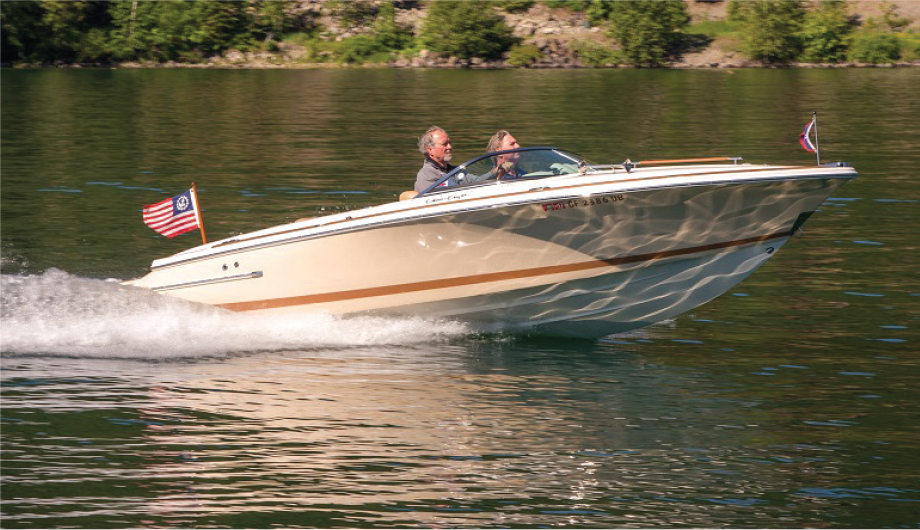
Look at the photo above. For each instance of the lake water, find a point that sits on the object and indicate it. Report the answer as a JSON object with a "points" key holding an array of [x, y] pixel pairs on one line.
{"points": [[791, 401]]}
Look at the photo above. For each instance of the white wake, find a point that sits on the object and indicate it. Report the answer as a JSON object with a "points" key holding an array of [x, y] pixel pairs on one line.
{"points": [[56, 313]]}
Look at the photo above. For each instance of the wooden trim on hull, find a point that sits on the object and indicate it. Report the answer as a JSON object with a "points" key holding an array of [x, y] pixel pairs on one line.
{"points": [[428, 285]]}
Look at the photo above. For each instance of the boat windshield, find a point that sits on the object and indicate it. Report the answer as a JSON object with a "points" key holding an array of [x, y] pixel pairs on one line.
{"points": [[515, 164]]}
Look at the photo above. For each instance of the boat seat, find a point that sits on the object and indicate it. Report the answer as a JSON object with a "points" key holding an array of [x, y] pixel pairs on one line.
{"points": [[406, 195]]}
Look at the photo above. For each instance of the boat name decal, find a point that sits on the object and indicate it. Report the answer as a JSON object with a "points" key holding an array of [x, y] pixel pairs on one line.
{"points": [[582, 203], [446, 198]]}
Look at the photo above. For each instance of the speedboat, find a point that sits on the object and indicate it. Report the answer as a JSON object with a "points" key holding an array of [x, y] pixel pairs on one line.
{"points": [[568, 248]]}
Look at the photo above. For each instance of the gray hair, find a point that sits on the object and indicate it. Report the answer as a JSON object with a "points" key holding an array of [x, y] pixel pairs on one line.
{"points": [[496, 141], [427, 139]]}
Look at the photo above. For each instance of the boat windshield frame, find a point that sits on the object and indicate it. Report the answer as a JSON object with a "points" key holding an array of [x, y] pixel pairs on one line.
{"points": [[444, 185]]}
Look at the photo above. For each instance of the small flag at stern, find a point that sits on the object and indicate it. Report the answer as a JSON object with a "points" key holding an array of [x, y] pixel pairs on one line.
{"points": [[174, 216], [805, 137]]}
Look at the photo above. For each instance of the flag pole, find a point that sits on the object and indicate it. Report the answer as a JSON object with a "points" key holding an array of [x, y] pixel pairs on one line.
{"points": [[204, 238], [814, 116]]}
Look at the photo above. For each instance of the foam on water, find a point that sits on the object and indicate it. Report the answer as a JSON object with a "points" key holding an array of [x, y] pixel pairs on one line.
{"points": [[56, 313]]}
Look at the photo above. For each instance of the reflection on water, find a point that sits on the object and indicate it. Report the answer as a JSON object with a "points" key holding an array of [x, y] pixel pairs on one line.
{"points": [[482, 433], [788, 402]]}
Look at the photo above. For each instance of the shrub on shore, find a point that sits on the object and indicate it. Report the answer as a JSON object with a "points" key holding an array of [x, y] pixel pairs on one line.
{"points": [[648, 33], [770, 29], [824, 33], [466, 30], [524, 55], [875, 48], [595, 54]]}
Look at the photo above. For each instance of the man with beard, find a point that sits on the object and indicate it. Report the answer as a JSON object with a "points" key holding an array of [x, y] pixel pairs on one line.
{"points": [[435, 145]]}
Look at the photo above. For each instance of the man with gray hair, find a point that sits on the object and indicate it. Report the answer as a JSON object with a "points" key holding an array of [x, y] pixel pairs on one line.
{"points": [[435, 145], [505, 165]]}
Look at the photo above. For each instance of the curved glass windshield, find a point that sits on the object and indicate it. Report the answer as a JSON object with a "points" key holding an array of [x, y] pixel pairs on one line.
{"points": [[525, 163]]}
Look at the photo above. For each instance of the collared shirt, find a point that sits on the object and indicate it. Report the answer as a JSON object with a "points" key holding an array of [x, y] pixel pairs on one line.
{"points": [[430, 173]]}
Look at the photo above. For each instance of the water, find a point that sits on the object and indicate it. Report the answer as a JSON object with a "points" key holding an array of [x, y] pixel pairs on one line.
{"points": [[788, 402]]}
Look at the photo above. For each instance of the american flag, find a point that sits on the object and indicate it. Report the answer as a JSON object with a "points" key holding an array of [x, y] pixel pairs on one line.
{"points": [[174, 216]]}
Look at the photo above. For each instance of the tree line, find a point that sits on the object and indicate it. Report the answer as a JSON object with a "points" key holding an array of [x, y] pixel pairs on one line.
{"points": [[641, 33]]}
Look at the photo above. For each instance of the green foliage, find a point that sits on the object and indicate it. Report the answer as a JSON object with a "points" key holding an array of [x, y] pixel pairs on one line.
{"points": [[599, 10], [272, 17], [388, 37], [465, 29], [122, 31], [49, 31], [893, 20], [648, 33], [221, 25], [524, 55], [351, 13], [717, 28], [21, 32], [825, 32], [516, 6], [94, 46], [875, 48], [66, 24], [299, 38], [377, 47], [389, 34], [167, 31], [770, 28], [594, 53], [910, 46], [735, 11], [316, 50], [357, 50], [574, 5]]}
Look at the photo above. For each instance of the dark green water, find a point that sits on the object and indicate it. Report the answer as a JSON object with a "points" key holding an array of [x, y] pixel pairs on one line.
{"points": [[789, 402]]}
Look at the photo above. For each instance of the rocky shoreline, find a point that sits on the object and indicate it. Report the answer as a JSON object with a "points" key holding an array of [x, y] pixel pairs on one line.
{"points": [[555, 56], [561, 59], [261, 63]]}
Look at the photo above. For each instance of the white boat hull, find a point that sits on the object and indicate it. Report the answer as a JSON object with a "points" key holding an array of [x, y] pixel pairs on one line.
{"points": [[585, 260]]}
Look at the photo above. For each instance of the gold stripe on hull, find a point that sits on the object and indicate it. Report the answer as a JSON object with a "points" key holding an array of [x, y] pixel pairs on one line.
{"points": [[476, 279]]}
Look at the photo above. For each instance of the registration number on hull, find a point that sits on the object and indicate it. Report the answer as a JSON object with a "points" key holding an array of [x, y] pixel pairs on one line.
{"points": [[582, 203]]}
